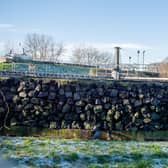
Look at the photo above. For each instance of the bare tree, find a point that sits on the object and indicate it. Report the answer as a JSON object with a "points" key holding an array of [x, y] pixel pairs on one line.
{"points": [[9, 47], [32, 44], [56, 50], [91, 56], [43, 47]]}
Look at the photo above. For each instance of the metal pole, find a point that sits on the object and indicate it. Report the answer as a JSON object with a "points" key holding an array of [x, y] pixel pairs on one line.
{"points": [[144, 57], [129, 59], [96, 67], [138, 52], [138, 66]]}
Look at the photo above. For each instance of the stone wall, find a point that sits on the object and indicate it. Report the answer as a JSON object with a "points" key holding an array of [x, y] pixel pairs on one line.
{"points": [[108, 105]]}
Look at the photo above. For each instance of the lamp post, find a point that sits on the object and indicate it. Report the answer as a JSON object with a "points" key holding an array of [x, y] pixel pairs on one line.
{"points": [[143, 57], [138, 52], [129, 59]]}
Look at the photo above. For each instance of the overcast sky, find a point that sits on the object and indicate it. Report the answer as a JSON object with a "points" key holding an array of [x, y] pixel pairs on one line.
{"points": [[131, 24]]}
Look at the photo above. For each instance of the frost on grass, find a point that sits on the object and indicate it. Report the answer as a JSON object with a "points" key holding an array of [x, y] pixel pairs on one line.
{"points": [[43, 152]]}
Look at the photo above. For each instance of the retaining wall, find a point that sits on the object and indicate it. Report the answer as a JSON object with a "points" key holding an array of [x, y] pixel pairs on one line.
{"points": [[108, 105]]}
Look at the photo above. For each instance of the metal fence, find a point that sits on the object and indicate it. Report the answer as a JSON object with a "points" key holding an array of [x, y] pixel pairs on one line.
{"points": [[102, 71]]}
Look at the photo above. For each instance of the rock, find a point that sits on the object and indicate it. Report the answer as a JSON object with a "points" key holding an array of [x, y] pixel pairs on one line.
{"points": [[105, 99], [21, 86], [25, 101], [38, 108], [88, 107], [13, 89], [44, 86], [18, 108], [52, 88], [37, 113], [138, 122], [110, 112], [126, 101], [68, 94], [123, 95], [70, 101], [80, 103], [31, 85], [117, 115], [76, 96], [38, 88], [98, 108], [61, 92], [97, 102], [119, 126], [68, 117], [154, 101], [34, 100], [43, 95], [22, 94], [79, 110], [52, 96], [146, 100], [48, 106], [141, 96], [114, 93], [53, 124], [24, 113], [87, 125], [96, 132], [31, 93], [16, 99], [45, 113], [137, 103], [28, 107], [107, 106], [155, 116], [100, 91], [147, 120], [88, 115], [82, 116], [13, 122], [136, 115], [157, 125], [66, 108]]}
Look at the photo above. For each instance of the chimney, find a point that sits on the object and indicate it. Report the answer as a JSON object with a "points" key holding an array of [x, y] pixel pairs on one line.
{"points": [[117, 58]]}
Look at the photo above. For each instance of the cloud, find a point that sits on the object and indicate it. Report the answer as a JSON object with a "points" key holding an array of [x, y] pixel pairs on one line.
{"points": [[106, 46], [6, 26]]}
